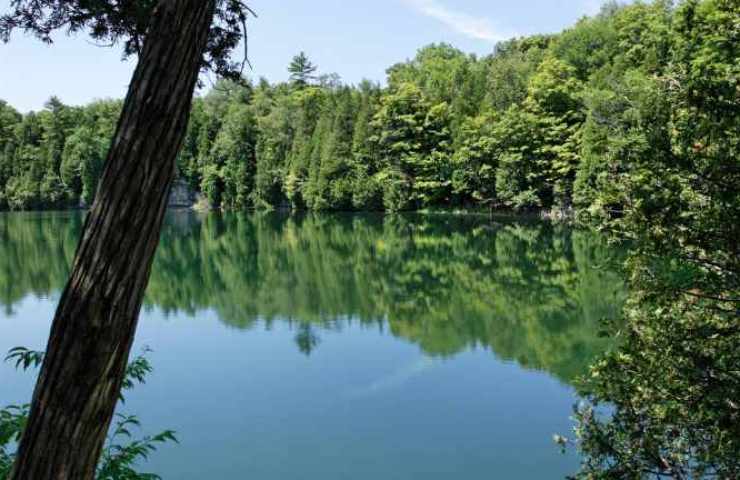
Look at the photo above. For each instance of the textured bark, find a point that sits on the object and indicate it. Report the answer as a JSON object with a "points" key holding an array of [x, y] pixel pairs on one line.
{"points": [[95, 322]]}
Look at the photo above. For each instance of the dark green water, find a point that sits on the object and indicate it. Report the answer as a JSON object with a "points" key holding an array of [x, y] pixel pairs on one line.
{"points": [[340, 346]]}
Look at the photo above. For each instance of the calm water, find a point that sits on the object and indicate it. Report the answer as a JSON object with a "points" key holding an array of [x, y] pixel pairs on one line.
{"points": [[343, 347]]}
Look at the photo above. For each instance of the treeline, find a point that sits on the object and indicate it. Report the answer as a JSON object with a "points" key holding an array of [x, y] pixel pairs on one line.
{"points": [[54, 158], [548, 121]]}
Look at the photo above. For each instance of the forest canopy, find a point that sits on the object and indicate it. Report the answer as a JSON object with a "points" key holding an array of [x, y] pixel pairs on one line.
{"points": [[544, 122]]}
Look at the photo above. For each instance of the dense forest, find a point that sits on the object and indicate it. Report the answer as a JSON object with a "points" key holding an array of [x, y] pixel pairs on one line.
{"points": [[630, 118], [545, 122]]}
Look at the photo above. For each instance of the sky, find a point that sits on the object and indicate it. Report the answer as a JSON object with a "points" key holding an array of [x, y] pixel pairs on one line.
{"points": [[356, 39]]}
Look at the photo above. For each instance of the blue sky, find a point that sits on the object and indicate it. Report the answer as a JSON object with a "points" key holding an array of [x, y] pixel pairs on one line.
{"points": [[354, 38]]}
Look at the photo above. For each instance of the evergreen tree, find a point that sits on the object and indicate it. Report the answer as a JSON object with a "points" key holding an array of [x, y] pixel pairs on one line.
{"points": [[301, 70], [333, 181]]}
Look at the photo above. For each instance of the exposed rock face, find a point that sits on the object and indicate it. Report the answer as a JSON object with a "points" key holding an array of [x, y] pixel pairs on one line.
{"points": [[181, 196], [201, 203]]}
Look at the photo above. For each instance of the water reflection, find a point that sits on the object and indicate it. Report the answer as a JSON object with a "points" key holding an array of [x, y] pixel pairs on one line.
{"points": [[530, 292]]}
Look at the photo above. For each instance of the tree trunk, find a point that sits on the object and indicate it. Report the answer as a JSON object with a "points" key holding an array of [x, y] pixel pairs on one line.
{"points": [[95, 322]]}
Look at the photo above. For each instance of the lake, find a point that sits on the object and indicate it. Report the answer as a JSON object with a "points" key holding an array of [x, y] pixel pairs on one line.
{"points": [[343, 346]]}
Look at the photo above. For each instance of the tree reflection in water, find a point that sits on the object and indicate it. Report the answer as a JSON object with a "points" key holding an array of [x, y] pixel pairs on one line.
{"points": [[528, 291]]}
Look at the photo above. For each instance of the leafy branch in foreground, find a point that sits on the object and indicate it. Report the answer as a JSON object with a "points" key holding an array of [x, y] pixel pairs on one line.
{"points": [[136, 372], [24, 358], [12, 422], [671, 154], [122, 452]]}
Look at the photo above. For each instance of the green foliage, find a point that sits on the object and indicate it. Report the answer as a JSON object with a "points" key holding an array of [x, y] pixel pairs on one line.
{"points": [[589, 45], [118, 459], [54, 159], [126, 22], [413, 144], [24, 358], [444, 74], [662, 171], [676, 412], [136, 372], [574, 119], [475, 161], [539, 141], [520, 176], [632, 117], [509, 73], [121, 453], [12, 423], [232, 158], [301, 70]]}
